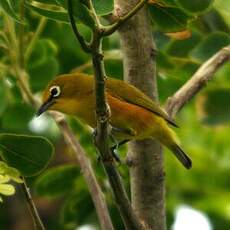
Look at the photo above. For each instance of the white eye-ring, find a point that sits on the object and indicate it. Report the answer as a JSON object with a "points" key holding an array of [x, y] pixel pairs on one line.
{"points": [[55, 91]]}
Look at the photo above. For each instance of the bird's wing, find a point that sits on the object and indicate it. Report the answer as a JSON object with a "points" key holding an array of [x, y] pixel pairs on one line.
{"points": [[131, 94]]}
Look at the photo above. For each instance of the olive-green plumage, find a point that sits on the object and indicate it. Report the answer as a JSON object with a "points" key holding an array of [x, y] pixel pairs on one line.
{"points": [[134, 116]]}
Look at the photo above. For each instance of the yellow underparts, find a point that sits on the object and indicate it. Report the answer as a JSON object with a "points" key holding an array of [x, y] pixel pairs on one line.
{"points": [[125, 116]]}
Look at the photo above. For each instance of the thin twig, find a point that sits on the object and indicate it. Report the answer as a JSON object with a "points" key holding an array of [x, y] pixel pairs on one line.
{"points": [[121, 20], [36, 35], [38, 225], [84, 45], [87, 171], [21, 33], [15, 49], [197, 81]]}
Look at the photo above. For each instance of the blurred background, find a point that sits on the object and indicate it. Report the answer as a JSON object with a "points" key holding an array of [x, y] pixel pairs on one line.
{"points": [[195, 199]]}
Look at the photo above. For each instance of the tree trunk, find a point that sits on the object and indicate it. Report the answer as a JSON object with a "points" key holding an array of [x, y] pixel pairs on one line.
{"points": [[145, 157]]}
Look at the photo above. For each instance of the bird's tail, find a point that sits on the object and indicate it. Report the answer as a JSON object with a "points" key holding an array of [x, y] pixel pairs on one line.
{"points": [[181, 156]]}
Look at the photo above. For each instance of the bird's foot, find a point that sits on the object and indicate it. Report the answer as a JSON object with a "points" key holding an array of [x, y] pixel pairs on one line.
{"points": [[115, 155], [94, 135]]}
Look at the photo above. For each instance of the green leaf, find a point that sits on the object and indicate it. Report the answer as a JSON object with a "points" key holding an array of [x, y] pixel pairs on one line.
{"points": [[210, 45], [56, 15], [17, 116], [163, 61], [169, 82], [13, 174], [3, 167], [3, 94], [169, 19], [59, 13], [57, 181], [28, 154], [215, 107], [222, 75], [83, 14], [62, 3], [103, 7], [181, 48], [9, 172], [41, 74], [195, 6], [4, 179], [215, 22], [42, 65], [6, 5], [7, 189], [223, 7], [43, 49], [51, 2], [80, 11], [76, 209]]}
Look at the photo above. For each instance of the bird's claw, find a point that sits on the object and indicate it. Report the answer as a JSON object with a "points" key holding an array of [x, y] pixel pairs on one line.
{"points": [[115, 155]]}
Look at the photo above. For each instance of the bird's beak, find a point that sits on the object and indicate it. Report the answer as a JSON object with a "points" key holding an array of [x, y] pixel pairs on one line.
{"points": [[45, 106]]}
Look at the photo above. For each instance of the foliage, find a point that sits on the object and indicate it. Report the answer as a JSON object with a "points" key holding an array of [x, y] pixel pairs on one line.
{"points": [[8, 173], [29, 154], [49, 48]]}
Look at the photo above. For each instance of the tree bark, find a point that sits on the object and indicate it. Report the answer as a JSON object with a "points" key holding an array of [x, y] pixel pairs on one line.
{"points": [[145, 157]]}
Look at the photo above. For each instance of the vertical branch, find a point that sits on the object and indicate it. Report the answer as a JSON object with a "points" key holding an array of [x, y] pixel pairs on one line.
{"points": [[146, 171], [102, 114], [38, 225], [129, 218], [40, 28]]}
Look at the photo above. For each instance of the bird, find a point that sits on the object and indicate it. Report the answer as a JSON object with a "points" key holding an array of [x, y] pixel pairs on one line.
{"points": [[134, 116]]}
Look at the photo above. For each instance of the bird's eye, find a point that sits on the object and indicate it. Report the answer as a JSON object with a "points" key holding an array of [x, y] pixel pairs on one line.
{"points": [[55, 91]]}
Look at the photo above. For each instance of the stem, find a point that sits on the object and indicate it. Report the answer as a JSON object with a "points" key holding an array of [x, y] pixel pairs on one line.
{"points": [[127, 213], [16, 54], [146, 172], [101, 140], [21, 34], [38, 225], [197, 81], [121, 20], [36, 35], [21, 76], [84, 45]]}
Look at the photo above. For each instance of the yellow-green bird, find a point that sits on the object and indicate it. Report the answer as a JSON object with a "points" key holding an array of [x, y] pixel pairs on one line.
{"points": [[134, 116]]}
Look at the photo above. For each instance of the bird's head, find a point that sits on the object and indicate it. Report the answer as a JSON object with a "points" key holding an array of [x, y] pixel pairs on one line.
{"points": [[52, 96], [62, 92]]}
